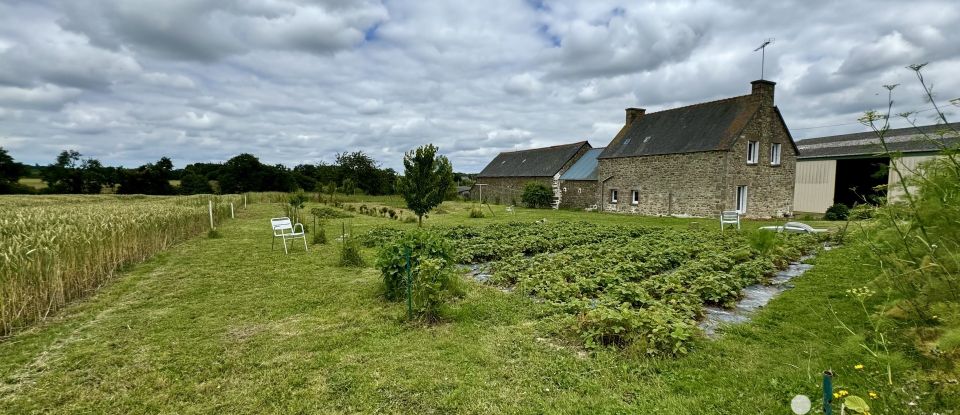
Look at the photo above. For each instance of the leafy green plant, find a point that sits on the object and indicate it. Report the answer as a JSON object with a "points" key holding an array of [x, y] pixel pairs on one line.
{"points": [[350, 251], [431, 279], [838, 211], [536, 195], [763, 241]]}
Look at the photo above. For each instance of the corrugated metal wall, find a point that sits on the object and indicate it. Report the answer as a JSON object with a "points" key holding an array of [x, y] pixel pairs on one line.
{"points": [[814, 187], [908, 166]]}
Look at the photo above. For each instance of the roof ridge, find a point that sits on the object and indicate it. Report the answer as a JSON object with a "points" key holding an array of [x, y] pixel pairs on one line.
{"points": [[700, 103], [546, 148], [892, 131]]}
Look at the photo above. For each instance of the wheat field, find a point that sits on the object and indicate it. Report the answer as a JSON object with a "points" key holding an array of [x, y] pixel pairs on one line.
{"points": [[57, 248]]}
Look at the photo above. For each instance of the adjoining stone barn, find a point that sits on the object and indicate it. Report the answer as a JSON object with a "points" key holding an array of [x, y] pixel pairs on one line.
{"points": [[502, 181], [698, 160], [578, 185], [853, 168]]}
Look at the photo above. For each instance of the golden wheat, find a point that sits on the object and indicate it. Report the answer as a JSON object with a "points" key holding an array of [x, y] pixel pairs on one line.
{"points": [[57, 248]]}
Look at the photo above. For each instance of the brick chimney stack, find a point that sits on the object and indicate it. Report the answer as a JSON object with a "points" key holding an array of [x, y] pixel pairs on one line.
{"points": [[634, 114], [763, 90]]}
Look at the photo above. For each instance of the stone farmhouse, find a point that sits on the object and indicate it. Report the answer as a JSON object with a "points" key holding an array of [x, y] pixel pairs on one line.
{"points": [[698, 160], [730, 154], [853, 168], [502, 181]]}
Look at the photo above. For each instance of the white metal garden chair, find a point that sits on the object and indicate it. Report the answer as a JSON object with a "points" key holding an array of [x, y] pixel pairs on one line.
{"points": [[284, 229], [510, 209], [729, 217]]}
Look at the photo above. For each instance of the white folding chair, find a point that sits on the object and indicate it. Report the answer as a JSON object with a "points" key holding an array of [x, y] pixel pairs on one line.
{"points": [[285, 229], [729, 217]]}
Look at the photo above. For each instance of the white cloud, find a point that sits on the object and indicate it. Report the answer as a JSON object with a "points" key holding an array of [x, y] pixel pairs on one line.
{"points": [[46, 96], [298, 81]]}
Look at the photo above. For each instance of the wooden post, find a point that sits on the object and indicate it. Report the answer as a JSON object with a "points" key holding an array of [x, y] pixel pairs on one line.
{"points": [[244, 200], [210, 208], [231, 211]]}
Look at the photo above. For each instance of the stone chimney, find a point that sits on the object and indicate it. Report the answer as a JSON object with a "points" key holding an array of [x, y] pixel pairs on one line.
{"points": [[634, 114], [763, 90]]}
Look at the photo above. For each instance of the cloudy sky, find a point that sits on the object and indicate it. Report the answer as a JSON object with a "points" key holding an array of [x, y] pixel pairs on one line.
{"points": [[297, 81]]}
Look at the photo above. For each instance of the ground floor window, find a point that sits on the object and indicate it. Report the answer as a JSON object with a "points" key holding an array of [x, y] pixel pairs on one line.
{"points": [[741, 199], [634, 197], [613, 195]]}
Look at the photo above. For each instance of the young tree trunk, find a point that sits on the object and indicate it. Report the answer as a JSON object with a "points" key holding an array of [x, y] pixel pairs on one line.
{"points": [[419, 221]]}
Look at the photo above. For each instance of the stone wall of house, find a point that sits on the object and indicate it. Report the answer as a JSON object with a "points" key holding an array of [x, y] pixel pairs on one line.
{"points": [[769, 187], [505, 190], [669, 184], [578, 193]]}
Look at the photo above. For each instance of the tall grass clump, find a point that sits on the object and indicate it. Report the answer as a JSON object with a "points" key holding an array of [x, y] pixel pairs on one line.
{"points": [[913, 305], [58, 248]]}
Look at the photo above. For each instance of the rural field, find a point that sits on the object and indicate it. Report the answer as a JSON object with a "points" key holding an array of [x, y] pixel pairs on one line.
{"points": [[226, 324]]}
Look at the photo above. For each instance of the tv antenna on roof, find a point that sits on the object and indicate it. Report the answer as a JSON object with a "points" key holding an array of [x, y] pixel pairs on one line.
{"points": [[763, 53]]}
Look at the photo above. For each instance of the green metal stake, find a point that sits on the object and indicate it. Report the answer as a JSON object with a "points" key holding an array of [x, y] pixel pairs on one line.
{"points": [[406, 253], [827, 392]]}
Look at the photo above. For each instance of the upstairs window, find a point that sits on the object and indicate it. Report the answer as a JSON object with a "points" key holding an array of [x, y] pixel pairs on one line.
{"points": [[613, 195], [634, 197], [753, 152], [775, 154]]}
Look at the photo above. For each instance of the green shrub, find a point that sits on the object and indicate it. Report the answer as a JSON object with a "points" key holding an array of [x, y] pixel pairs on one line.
{"points": [[431, 270], [838, 211], [350, 255], [476, 213], [320, 236], [536, 195]]}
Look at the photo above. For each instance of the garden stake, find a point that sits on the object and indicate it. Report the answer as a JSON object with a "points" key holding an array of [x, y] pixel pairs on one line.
{"points": [[827, 392], [406, 253]]}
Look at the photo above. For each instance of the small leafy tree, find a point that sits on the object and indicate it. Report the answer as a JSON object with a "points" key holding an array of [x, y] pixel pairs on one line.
{"points": [[426, 177], [536, 195]]}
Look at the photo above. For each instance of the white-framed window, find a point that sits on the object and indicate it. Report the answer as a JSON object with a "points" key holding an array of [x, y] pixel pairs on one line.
{"points": [[634, 197], [579, 190], [775, 154], [753, 152], [613, 195], [741, 199]]}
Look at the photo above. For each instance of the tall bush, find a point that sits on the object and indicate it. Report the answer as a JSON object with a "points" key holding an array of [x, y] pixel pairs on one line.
{"points": [[536, 195]]}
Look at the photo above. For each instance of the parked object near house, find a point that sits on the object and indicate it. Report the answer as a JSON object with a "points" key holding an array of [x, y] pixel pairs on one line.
{"points": [[853, 168], [794, 227], [504, 178], [730, 154]]}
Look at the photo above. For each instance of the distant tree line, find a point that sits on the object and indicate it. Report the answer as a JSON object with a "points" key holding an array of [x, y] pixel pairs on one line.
{"points": [[350, 173]]}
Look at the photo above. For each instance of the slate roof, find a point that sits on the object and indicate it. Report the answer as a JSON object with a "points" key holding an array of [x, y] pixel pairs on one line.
{"points": [[701, 127], [536, 162], [585, 168], [906, 140]]}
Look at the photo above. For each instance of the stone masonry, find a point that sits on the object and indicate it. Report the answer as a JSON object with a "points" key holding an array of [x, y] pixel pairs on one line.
{"points": [[578, 193]]}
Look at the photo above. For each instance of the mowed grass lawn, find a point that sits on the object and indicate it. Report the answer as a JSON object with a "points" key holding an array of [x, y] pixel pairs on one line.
{"points": [[230, 326]]}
